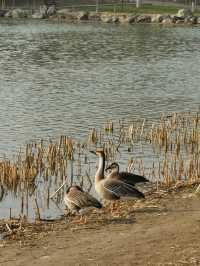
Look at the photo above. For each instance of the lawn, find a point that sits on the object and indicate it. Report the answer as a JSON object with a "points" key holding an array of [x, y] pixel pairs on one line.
{"points": [[131, 8]]}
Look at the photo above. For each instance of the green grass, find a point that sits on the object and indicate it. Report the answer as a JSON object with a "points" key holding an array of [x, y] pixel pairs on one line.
{"points": [[130, 8]]}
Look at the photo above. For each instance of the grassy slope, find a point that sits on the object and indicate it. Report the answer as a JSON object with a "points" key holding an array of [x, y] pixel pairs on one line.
{"points": [[145, 9], [130, 8]]}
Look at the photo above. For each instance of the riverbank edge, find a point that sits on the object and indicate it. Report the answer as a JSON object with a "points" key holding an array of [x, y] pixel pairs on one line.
{"points": [[18, 229], [183, 16], [165, 222]]}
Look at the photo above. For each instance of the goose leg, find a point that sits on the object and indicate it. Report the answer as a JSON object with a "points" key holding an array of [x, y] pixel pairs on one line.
{"points": [[81, 220], [115, 207]]}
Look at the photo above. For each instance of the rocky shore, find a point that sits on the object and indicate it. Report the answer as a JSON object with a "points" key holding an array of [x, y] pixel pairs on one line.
{"points": [[183, 16]]}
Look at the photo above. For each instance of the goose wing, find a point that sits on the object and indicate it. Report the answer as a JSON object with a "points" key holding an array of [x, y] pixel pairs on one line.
{"points": [[128, 178], [122, 189], [82, 199]]}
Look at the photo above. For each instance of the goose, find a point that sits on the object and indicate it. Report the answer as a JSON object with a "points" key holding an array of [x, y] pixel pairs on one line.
{"points": [[129, 178], [77, 200], [110, 188]]}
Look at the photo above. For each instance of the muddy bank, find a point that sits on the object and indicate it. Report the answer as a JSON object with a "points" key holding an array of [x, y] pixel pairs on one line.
{"points": [[162, 230], [184, 16]]}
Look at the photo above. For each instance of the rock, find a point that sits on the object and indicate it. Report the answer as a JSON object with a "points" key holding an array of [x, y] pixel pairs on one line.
{"points": [[167, 20], [51, 10], [63, 11], [131, 19], [198, 20], [179, 21], [67, 14], [43, 11], [82, 15], [190, 20], [94, 16], [41, 14], [106, 18], [3, 12], [122, 19], [8, 14], [127, 19], [182, 13], [143, 19], [157, 18], [37, 15], [176, 19], [18, 13], [115, 19]]}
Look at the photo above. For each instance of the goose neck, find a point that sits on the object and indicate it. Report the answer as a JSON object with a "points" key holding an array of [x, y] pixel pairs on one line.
{"points": [[100, 171]]}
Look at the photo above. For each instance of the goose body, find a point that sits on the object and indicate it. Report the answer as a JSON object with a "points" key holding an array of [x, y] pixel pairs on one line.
{"points": [[126, 177], [76, 199], [111, 188]]}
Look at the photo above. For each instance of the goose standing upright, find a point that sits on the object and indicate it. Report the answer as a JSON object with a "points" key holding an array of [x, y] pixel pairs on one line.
{"points": [[112, 188]]}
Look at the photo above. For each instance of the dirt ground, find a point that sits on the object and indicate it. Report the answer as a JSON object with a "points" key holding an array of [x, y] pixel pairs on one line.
{"points": [[164, 229]]}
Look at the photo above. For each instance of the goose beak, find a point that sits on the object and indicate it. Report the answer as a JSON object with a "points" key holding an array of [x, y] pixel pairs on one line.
{"points": [[108, 168]]}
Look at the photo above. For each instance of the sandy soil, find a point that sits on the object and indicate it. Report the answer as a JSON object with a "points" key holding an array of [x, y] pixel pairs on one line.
{"points": [[163, 230]]}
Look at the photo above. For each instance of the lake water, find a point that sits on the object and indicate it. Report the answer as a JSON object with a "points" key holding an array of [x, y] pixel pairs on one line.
{"points": [[58, 78], [66, 78]]}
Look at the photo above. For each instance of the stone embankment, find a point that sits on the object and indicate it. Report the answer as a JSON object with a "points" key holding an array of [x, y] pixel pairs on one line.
{"points": [[184, 16]]}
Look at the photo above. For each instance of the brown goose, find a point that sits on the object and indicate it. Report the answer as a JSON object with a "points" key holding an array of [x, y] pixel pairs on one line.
{"points": [[76, 199], [112, 188], [126, 177]]}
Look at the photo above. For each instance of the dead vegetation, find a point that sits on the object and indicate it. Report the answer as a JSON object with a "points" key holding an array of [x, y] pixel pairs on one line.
{"points": [[167, 151]]}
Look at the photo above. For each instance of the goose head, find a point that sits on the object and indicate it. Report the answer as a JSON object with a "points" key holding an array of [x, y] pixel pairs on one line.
{"points": [[73, 188], [113, 167], [99, 152]]}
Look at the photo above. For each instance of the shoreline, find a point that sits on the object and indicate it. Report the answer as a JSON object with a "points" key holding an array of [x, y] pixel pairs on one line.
{"points": [[135, 236], [183, 17]]}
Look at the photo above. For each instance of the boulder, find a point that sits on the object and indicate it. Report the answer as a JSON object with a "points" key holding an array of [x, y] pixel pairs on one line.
{"points": [[179, 21], [8, 14], [198, 20], [176, 19], [51, 10], [63, 11], [115, 19], [94, 16], [157, 18], [82, 15], [3, 12], [182, 13], [37, 15], [43, 11], [167, 20], [127, 19], [18, 13], [143, 19], [106, 18], [67, 14], [190, 20]]}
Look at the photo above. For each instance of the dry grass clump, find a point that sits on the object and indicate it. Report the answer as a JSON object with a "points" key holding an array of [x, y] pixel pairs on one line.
{"points": [[167, 151]]}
